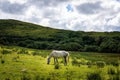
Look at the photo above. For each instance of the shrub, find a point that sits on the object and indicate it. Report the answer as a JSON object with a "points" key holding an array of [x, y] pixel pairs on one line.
{"points": [[35, 53], [57, 66], [91, 48], [25, 77], [22, 51], [15, 49], [7, 78], [111, 71], [69, 75], [37, 77], [54, 76], [0, 56], [94, 76], [48, 78], [75, 62], [5, 51], [83, 61], [15, 58], [118, 70], [2, 61], [115, 63], [89, 63], [100, 64], [116, 77]]}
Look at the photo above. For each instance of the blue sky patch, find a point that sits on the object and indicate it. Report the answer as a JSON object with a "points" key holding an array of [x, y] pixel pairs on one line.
{"points": [[69, 8]]}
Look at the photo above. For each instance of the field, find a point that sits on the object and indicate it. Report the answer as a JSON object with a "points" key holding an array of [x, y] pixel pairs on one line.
{"points": [[18, 63]]}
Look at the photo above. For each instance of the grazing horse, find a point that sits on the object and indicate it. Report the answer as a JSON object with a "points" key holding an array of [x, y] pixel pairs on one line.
{"points": [[56, 54]]}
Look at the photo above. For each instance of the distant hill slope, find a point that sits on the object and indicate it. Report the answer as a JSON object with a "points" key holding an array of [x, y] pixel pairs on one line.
{"points": [[19, 28], [18, 33]]}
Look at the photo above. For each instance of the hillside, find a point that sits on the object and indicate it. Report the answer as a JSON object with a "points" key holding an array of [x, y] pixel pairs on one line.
{"points": [[18, 33], [19, 28]]}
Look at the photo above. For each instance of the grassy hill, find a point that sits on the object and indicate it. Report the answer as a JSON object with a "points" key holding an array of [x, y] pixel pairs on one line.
{"points": [[19, 28], [19, 33]]}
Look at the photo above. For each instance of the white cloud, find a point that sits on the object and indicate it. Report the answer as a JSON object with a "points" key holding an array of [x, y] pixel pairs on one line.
{"points": [[18, 1], [85, 15]]}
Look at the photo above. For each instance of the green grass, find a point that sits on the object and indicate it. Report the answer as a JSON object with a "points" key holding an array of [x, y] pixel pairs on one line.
{"points": [[12, 27], [20, 64], [19, 28]]}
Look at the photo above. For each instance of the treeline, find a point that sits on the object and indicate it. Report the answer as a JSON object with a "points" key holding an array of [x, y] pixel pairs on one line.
{"points": [[29, 35], [70, 41]]}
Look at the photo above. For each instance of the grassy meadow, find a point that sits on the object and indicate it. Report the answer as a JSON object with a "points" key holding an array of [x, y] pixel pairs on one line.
{"points": [[18, 63]]}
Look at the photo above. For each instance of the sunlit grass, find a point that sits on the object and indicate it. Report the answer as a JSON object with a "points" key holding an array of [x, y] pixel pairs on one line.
{"points": [[20, 66]]}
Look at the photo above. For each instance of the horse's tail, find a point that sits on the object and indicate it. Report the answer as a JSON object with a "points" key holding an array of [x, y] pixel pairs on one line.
{"points": [[68, 57]]}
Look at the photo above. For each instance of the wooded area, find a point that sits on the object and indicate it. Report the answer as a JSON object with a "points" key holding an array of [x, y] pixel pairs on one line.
{"points": [[17, 33]]}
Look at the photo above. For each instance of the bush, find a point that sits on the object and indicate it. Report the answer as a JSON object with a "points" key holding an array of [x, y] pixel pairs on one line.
{"points": [[83, 61], [69, 75], [7, 78], [94, 76], [111, 71], [57, 66], [0, 56], [116, 77], [118, 70], [75, 62], [22, 51], [25, 77], [48, 78], [16, 58], [53, 76], [91, 48], [5, 51], [2, 61], [35, 53], [115, 63], [37, 77], [100, 64], [89, 63]]}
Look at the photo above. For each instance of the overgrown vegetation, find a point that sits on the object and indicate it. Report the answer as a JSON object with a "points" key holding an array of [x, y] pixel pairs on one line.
{"points": [[31, 64], [57, 66], [100, 64], [17, 33], [94, 76]]}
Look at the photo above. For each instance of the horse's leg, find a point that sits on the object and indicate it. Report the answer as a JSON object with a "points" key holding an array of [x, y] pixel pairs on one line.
{"points": [[65, 58], [54, 60]]}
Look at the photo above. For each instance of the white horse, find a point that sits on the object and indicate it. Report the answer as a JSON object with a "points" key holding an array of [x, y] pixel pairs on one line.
{"points": [[56, 54]]}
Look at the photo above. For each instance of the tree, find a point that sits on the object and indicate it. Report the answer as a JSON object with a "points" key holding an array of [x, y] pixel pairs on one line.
{"points": [[71, 46], [109, 45], [91, 48]]}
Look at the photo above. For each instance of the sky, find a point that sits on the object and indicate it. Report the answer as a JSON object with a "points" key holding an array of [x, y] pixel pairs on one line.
{"points": [[77, 15]]}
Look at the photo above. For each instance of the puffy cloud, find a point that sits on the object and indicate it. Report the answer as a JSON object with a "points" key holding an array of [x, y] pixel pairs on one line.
{"points": [[89, 8], [86, 15], [12, 8]]}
